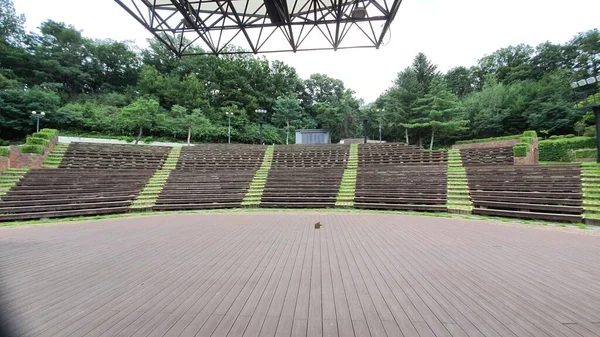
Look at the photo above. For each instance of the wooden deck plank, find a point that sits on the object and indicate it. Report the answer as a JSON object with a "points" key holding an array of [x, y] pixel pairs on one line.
{"points": [[259, 274]]}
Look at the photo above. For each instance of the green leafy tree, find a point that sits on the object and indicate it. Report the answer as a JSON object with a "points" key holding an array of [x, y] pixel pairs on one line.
{"points": [[140, 115], [441, 110], [287, 112]]}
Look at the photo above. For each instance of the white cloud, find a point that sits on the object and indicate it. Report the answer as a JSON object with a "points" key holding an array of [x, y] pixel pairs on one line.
{"points": [[451, 33]]}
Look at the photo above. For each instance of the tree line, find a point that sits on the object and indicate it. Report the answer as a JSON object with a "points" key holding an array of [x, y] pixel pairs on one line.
{"points": [[114, 88]]}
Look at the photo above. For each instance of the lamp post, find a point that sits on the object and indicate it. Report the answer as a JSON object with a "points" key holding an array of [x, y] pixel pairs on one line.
{"points": [[378, 111], [594, 104], [38, 116], [229, 114], [261, 113]]}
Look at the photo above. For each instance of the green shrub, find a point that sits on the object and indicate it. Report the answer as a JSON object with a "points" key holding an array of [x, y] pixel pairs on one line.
{"points": [[586, 153], [42, 135], [485, 140], [52, 132], [521, 150], [4, 152], [570, 135], [590, 131], [554, 137], [561, 149], [526, 140], [129, 139], [531, 134], [37, 149], [36, 141], [147, 140]]}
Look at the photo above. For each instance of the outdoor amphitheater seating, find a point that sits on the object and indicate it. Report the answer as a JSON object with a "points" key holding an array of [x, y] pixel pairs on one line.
{"points": [[101, 156], [544, 192], [489, 156], [305, 176], [211, 176], [92, 179], [400, 177]]}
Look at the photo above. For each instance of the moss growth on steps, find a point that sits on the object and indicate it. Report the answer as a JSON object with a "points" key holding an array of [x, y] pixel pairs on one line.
{"points": [[590, 188], [9, 178], [55, 157], [457, 190], [257, 185], [147, 197], [345, 196]]}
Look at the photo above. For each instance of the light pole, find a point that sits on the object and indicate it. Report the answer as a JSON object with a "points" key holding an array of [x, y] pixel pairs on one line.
{"points": [[229, 114], [261, 113], [594, 104], [378, 111], [37, 117]]}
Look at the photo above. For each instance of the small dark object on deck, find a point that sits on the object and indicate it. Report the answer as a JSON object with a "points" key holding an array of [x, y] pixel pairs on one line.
{"points": [[317, 225]]}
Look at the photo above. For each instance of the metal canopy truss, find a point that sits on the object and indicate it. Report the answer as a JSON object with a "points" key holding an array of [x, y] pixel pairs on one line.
{"points": [[263, 26]]}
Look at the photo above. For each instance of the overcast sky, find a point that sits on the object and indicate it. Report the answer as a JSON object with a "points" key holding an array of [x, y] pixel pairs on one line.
{"points": [[450, 32]]}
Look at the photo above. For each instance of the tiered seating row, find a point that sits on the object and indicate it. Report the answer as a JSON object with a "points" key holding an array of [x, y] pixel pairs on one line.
{"points": [[545, 192], [104, 156], [219, 157], [210, 176], [491, 156], [305, 176], [396, 187], [398, 154], [50, 193]]}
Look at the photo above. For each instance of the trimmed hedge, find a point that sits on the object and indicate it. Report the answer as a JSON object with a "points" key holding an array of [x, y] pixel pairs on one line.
{"points": [[586, 153], [526, 140], [561, 149], [42, 135], [36, 141], [486, 140], [52, 132], [529, 134], [4, 152], [521, 150], [37, 149]]}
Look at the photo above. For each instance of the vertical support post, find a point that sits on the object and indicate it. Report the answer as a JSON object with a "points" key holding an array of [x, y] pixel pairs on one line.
{"points": [[261, 134], [229, 130], [596, 109], [38, 123], [365, 129], [379, 131]]}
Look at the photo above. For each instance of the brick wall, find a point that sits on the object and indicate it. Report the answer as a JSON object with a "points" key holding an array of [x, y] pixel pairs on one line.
{"points": [[31, 160], [4, 163], [533, 156]]}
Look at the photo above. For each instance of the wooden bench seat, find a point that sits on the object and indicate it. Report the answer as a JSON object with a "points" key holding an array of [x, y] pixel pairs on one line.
{"points": [[401, 207], [528, 215], [62, 214]]}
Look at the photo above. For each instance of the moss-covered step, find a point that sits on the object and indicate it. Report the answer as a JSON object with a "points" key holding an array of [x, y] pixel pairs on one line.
{"points": [[590, 189], [346, 193], [146, 199], [458, 199], [10, 177], [257, 185], [55, 157]]}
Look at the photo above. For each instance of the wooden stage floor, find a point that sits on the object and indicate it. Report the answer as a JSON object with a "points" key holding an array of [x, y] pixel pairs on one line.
{"points": [[261, 274]]}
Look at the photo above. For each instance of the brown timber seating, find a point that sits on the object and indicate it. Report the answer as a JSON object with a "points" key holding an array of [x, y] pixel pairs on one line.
{"points": [[400, 177], [544, 192], [106, 156], [92, 179], [51, 193], [305, 176], [210, 176], [490, 156]]}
